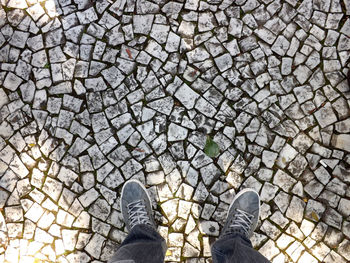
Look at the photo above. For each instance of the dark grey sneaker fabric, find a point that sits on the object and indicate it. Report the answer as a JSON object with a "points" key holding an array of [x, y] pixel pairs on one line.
{"points": [[243, 214], [136, 205]]}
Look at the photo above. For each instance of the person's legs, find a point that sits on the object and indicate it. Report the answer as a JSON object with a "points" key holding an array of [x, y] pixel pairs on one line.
{"points": [[233, 244], [235, 248], [143, 243]]}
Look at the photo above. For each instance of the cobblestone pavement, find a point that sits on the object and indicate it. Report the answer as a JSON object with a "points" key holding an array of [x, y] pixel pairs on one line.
{"points": [[96, 92]]}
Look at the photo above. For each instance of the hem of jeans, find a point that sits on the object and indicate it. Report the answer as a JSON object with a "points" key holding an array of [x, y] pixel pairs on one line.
{"points": [[152, 230], [235, 233], [147, 227]]}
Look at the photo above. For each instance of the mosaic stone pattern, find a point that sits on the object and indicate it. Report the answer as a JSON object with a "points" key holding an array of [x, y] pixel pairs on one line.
{"points": [[93, 93]]}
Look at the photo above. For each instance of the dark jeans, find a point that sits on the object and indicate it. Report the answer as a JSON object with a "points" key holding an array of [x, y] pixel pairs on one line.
{"points": [[145, 245]]}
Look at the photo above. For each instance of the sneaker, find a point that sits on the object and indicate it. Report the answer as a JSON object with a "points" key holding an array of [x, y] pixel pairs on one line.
{"points": [[136, 205], [243, 214]]}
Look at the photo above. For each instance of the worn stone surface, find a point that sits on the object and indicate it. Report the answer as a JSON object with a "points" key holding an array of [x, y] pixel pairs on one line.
{"points": [[93, 93]]}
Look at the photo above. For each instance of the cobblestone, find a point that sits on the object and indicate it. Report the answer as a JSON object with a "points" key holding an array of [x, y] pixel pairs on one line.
{"points": [[95, 93]]}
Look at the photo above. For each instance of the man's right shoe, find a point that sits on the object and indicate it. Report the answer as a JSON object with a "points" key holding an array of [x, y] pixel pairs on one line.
{"points": [[243, 214], [136, 205]]}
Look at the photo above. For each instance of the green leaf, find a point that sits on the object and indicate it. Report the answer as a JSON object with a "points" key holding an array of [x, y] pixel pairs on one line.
{"points": [[211, 148]]}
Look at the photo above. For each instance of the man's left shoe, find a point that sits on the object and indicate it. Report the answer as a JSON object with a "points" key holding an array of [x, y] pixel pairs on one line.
{"points": [[136, 205]]}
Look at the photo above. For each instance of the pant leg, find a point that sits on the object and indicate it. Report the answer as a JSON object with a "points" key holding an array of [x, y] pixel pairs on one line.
{"points": [[234, 248], [142, 245]]}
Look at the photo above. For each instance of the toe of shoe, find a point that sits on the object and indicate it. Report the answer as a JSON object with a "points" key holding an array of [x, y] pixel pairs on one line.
{"points": [[133, 191], [249, 202]]}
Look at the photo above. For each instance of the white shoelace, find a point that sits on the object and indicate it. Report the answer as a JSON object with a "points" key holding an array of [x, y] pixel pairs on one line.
{"points": [[241, 220], [138, 214]]}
